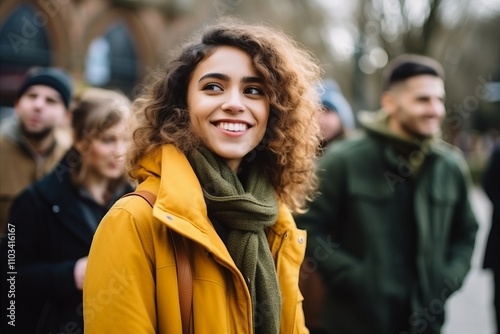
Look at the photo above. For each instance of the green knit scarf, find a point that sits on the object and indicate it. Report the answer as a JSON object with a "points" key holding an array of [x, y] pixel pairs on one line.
{"points": [[244, 211]]}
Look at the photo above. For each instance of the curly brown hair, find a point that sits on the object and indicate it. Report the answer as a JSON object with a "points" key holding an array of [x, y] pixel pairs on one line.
{"points": [[290, 145]]}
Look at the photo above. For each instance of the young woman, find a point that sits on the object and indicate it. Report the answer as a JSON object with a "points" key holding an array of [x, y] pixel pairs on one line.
{"points": [[226, 140], [54, 220]]}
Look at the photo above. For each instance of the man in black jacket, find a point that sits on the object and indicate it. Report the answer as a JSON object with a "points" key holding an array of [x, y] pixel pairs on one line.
{"points": [[491, 185]]}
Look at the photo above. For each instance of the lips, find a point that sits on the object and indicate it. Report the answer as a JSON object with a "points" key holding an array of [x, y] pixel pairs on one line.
{"points": [[232, 126], [35, 120]]}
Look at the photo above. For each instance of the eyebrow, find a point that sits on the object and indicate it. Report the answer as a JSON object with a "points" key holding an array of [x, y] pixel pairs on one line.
{"points": [[225, 77]]}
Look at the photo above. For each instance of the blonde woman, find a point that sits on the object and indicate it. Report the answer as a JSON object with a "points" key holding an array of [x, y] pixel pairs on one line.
{"points": [[226, 142]]}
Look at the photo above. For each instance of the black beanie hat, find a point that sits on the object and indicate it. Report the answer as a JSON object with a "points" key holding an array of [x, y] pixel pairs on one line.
{"points": [[49, 76]]}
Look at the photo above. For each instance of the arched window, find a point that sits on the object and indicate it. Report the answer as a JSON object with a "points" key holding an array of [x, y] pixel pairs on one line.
{"points": [[23, 39], [24, 43], [111, 60]]}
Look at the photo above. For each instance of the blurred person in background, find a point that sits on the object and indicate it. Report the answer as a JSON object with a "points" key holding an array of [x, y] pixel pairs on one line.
{"points": [[491, 186], [54, 219], [337, 120], [392, 230], [34, 139]]}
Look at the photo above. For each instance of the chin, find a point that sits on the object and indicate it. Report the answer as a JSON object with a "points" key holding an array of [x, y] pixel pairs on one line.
{"points": [[113, 175], [231, 154], [422, 134], [426, 132]]}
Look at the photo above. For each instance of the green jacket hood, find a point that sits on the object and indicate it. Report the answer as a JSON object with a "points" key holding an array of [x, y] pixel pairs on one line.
{"points": [[376, 122], [414, 151]]}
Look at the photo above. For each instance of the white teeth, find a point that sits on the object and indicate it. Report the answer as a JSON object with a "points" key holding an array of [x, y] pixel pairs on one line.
{"points": [[235, 127]]}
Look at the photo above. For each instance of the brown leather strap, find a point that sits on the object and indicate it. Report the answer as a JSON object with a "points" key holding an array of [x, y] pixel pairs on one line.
{"points": [[184, 280], [147, 195], [184, 275]]}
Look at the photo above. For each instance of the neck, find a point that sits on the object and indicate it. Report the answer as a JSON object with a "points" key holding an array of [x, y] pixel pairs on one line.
{"points": [[396, 128], [41, 144], [97, 187]]}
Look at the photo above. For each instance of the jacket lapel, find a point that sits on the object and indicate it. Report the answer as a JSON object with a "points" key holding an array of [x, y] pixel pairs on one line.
{"points": [[63, 203]]}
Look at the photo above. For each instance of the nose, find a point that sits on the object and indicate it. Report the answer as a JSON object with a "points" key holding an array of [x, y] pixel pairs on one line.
{"points": [[234, 102], [39, 102]]}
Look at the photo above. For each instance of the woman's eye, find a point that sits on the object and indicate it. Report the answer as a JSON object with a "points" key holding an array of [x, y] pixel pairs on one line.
{"points": [[213, 87], [107, 140], [254, 91]]}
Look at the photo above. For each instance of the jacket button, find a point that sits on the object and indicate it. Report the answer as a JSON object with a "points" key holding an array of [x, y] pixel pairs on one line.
{"points": [[170, 218], [301, 240], [55, 208]]}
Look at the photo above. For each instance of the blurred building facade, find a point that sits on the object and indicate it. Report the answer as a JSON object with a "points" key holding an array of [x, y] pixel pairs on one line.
{"points": [[119, 43], [112, 44]]}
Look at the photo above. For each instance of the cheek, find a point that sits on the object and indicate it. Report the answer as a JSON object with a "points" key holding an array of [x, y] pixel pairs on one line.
{"points": [[96, 152], [442, 111], [22, 109], [54, 111], [89, 156], [195, 113], [104, 151], [195, 123], [192, 103], [265, 122]]}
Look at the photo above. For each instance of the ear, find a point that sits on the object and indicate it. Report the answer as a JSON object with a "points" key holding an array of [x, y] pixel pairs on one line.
{"points": [[16, 109], [388, 102]]}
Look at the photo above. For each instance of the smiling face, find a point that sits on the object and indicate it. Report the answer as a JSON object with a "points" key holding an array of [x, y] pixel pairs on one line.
{"points": [[416, 106], [227, 104]]}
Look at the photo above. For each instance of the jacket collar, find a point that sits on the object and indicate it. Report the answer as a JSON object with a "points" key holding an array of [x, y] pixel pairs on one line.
{"points": [[399, 152], [377, 123], [179, 192], [180, 203], [60, 196], [12, 130]]}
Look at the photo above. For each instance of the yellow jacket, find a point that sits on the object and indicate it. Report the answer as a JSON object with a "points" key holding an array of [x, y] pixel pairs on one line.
{"points": [[131, 281]]}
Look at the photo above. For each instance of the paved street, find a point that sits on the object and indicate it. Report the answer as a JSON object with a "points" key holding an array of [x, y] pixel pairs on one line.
{"points": [[470, 310]]}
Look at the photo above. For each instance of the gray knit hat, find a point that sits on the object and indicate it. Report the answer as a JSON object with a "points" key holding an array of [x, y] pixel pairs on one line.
{"points": [[49, 76], [333, 99]]}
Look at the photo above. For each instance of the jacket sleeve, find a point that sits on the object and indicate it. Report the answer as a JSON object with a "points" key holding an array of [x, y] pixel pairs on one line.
{"points": [[38, 276], [463, 232], [322, 221], [119, 288]]}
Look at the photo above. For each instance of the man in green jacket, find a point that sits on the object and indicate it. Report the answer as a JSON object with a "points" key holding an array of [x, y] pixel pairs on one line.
{"points": [[392, 230]]}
